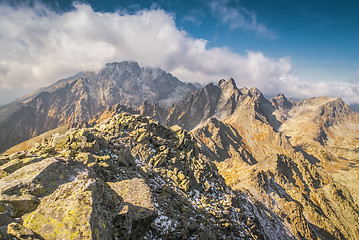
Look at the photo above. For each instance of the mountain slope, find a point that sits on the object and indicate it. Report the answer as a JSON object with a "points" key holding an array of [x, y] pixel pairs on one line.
{"points": [[83, 96], [253, 156], [252, 142], [125, 178], [306, 198], [328, 131]]}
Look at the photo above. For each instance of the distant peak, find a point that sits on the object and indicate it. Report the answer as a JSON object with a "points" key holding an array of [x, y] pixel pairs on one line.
{"points": [[122, 63], [280, 98], [126, 64], [281, 101], [227, 83], [280, 95], [255, 91], [221, 82]]}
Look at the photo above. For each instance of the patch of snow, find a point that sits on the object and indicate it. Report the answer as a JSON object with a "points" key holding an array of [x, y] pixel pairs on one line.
{"points": [[138, 163], [163, 222]]}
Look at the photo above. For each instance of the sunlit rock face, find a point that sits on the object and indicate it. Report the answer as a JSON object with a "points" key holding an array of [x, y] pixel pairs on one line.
{"points": [[297, 158]]}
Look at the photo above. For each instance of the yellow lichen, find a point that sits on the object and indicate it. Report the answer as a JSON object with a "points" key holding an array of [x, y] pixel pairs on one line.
{"points": [[70, 221]]}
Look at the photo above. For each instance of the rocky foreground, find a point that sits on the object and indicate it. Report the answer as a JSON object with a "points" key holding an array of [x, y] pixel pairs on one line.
{"points": [[126, 178]]}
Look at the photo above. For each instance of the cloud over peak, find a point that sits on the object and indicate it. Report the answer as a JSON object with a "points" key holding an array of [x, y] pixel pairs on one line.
{"points": [[39, 46]]}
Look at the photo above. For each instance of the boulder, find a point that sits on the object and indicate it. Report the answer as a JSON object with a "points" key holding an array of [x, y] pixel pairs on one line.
{"points": [[138, 210], [82, 209]]}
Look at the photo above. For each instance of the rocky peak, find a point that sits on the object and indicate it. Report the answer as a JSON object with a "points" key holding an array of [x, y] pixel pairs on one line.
{"points": [[280, 101], [322, 110], [244, 91], [125, 65], [81, 97], [332, 112], [119, 72], [255, 92], [229, 84]]}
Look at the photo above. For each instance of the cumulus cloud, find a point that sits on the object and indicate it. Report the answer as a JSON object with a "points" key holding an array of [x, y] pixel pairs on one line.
{"points": [[39, 46], [239, 17]]}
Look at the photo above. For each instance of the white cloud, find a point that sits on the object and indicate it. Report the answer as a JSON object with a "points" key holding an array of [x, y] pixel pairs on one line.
{"points": [[39, 46], [239, 17]]}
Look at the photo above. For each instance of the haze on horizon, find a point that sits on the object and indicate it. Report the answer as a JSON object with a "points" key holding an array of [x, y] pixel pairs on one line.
{"points": [[300, 49]]}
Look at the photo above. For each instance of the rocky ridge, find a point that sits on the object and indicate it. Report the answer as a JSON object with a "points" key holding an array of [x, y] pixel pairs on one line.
{"points": [[254, 152], [125, 178]]}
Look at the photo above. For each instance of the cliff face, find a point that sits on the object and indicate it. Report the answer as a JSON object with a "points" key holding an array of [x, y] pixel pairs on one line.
{"points": [[83, 96]]}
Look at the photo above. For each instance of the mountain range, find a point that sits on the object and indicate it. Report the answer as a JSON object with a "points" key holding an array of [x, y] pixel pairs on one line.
{"points": [[84, 95], [134, 153]]}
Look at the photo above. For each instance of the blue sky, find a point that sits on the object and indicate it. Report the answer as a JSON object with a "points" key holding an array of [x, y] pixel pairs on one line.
{"points": [[321, 37], [301, 48]]}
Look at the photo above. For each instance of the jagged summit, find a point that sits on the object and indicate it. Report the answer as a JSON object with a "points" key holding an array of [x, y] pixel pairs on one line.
{"points": [[129, 65], [255, 92], [230, 83], [129, 84], [81, 97], [281, 102]]}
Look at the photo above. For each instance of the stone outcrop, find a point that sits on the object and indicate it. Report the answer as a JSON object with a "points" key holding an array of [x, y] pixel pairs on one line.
{"points": [[127, 178]]}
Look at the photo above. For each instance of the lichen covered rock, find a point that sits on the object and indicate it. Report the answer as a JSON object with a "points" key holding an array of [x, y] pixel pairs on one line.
{"points": [[82, 209], [127, 177]]}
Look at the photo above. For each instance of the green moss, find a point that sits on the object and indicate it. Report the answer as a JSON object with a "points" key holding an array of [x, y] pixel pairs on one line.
{"points": [[62, 142], [39, 190], [86, 158]]}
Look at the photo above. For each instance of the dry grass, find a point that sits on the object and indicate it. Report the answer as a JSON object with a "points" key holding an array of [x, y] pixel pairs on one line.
{"points": [[31, 142]]}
